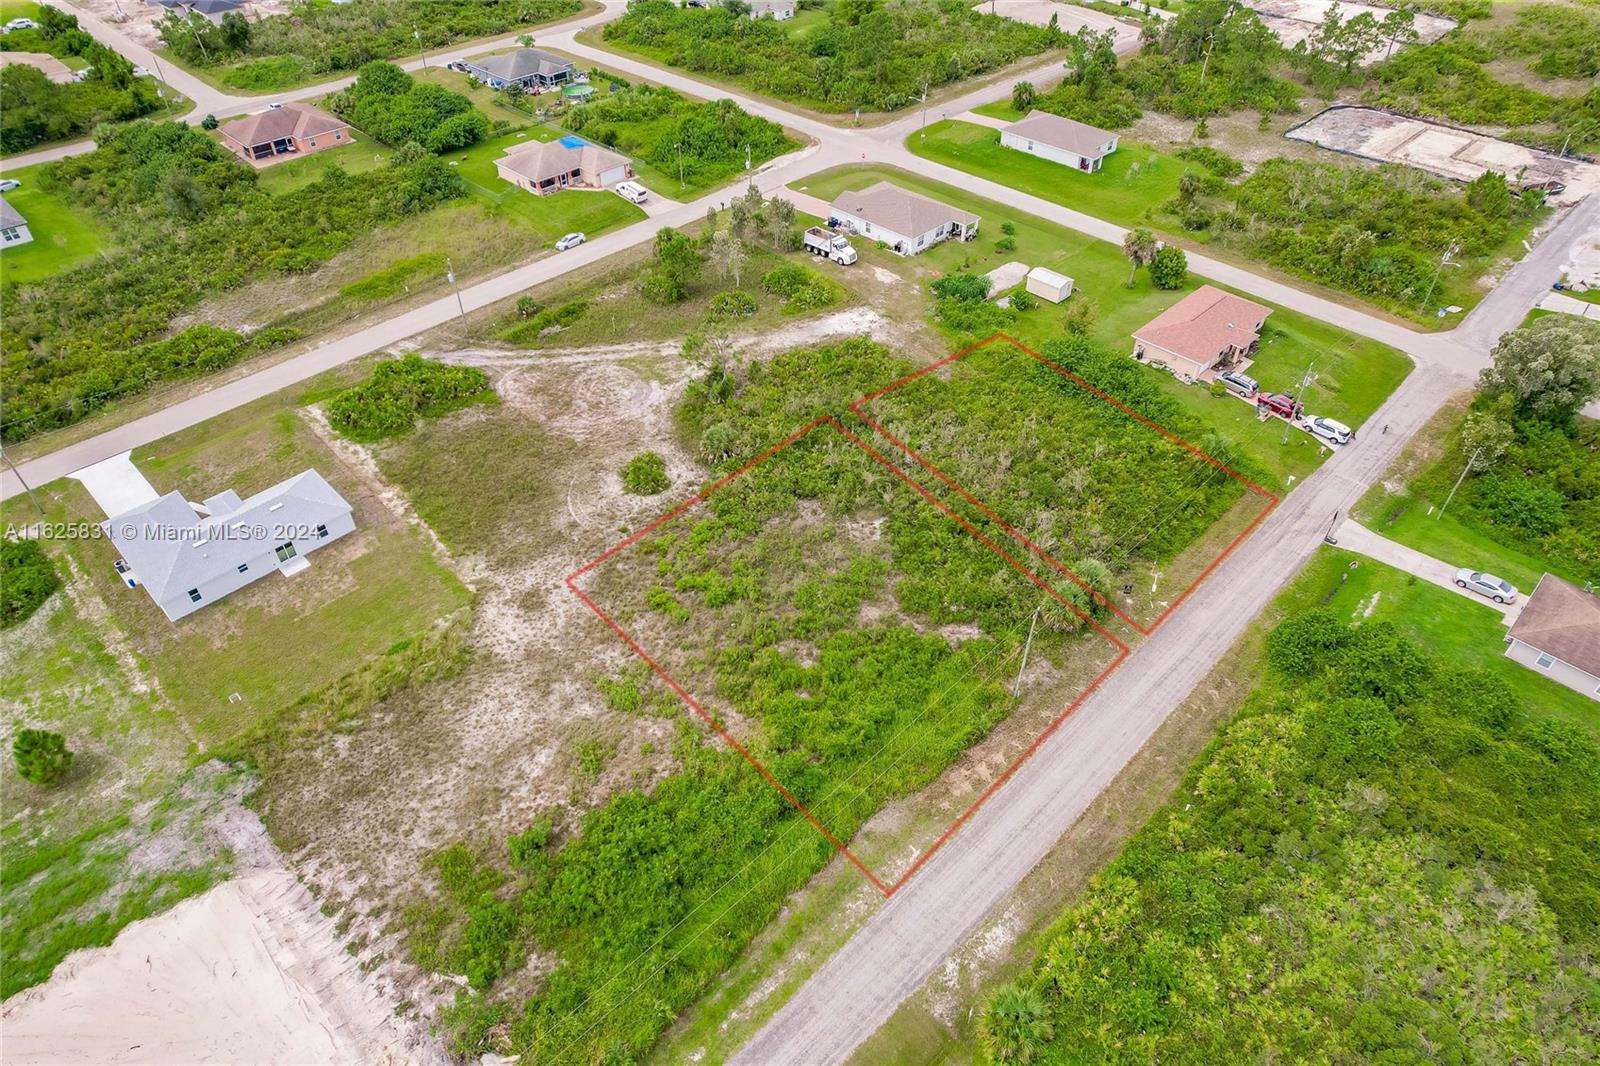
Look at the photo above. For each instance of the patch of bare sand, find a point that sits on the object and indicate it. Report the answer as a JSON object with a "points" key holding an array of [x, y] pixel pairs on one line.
{"points": [[248, 972]]}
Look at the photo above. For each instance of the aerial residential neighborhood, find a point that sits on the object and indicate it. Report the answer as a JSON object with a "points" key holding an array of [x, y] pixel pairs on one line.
{"points": [[799, 531]]}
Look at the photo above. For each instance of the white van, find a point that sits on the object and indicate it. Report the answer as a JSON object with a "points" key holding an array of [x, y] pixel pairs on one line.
{"points": [[633, 192]]}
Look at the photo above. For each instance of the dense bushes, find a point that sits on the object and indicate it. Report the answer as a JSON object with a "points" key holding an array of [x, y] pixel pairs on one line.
{"points": [[545, 321], [193, 225], [1374, 821], [41, 756], [802, 288], [389, 104], [867, 55], [665, 128], [317, 39], [402, 390], [27, 579], [34, 110], [645, 475]]}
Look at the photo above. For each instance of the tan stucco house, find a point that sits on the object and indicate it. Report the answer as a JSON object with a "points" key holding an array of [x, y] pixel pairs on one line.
{"points": [[285, 129]]}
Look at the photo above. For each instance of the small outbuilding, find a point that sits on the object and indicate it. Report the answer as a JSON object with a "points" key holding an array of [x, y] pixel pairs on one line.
{"points": [[1049, 285], [1060, 140]]}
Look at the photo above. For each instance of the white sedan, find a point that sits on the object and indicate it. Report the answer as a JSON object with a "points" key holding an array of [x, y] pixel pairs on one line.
{"points": [[571, 240], [8, 184], [1496, 588]]}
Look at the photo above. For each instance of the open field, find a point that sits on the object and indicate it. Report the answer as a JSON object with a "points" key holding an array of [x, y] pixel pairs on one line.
{"points": [[1353, 375]]}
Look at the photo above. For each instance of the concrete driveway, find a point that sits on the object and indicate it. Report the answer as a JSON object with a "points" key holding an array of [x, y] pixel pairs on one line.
{"points": [[1359, 538]]}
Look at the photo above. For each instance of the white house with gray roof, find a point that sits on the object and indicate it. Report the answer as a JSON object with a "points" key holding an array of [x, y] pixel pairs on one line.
{"points": [[13, 227], [187, 554], [531, 68], [905, 221], [1060, 140]]}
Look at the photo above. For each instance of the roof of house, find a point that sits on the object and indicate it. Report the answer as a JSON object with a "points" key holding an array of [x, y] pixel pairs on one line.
{"points": [[204, 7], [539, 160], [10, 217], [1070, 135], [1561, 619], [273, 124], [1204, 324], [48, 65], [769, 7], [523, 63], [172, 548], [899, 210]]}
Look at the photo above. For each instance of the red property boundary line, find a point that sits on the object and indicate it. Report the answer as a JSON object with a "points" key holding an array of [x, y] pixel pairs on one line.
{"points": [[1271, 498], [887, 889]]}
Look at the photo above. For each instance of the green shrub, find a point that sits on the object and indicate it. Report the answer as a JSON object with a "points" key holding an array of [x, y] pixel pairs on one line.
{"points": [[803, 289], [27, 578], [645, 475], [1005, 244], [1170, 268], [1219, 163], [527, 848], [41, 756], [961, 286], [553, 319], [735, 303], [1023, 300], [402, 390]]}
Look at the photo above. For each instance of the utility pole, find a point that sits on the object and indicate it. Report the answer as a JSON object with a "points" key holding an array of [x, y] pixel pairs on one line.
{"points": [[1299, 398], [1444, 260], [416, 33], [679, 147], [924, 113], [25, 486], [161, 86], [450, 272], [1016, 690], [747, 156], [1472, 461]]}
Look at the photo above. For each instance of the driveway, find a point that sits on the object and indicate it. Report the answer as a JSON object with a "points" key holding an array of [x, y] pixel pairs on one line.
{"points": [[1358, 538]]}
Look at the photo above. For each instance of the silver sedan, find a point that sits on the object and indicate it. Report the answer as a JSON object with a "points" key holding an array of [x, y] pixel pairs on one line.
{"points": [[1496, 588]]}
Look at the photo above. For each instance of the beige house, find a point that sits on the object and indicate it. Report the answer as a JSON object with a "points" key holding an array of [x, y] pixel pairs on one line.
{"points": [[285, 129], [51, 67], [905, 221], [1206, 330], [543, 167], [1558, 633]]}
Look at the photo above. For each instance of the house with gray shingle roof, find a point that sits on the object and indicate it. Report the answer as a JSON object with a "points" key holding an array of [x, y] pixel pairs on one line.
{"points": [[187, 554], [1060, 140], [13, 227], [1558, 633], [528, 67], [905, 221]]}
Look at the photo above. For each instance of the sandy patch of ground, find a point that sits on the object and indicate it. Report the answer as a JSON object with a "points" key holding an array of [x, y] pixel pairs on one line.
{"points": [[1459, 154], [1294, 20], [248, 972], [138, 18], [1070, 17]]}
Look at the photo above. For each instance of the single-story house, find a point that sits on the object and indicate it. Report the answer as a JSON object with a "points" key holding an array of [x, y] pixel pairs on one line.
{"points": [[1060, 140], [781, 10], [52, 68], [531, 68], [286, 129], [1048, 284], [1558, 633], [187, 555], [13, 227], [1206, 330], [905, 221], [543, 167], [211, 10]]}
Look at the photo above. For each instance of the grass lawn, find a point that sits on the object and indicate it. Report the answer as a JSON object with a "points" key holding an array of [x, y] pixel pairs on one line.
{"points": [[62, 237], [359, 156], [1453, 630], [1354, 374], [483, 98], [277, 639], [591, 211], [1133, 180]]}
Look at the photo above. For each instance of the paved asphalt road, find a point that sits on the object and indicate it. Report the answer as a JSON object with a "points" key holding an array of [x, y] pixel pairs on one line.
{"points": [[900, 946]]}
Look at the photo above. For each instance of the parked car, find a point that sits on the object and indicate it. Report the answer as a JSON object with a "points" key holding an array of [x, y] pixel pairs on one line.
{"points": [[21, 24], [1497, 589], [1331, 431], [571, 240], [142, 72], [7, 184], [1279, 403], [632, 192], [1243, 384]]}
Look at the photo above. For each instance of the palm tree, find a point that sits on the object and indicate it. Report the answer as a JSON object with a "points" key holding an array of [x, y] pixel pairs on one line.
{"points": [[1016, 1026], [1139, 245]]}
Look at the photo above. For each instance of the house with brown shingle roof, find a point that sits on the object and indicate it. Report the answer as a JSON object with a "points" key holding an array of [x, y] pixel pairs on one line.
{"points": [[1061, 140], [1206, 330], [1558, 633], [905, 221], [285, 129], [544, 167]]}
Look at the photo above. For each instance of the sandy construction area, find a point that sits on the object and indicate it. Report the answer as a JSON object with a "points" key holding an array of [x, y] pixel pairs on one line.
{"points": [[138, 18], [1443, 150], [248, 972], [1070, 17], [1294, 20]]}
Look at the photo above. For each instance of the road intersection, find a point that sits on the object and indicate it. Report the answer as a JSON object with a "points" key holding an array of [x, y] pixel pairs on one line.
{"points": [[901, 945]]}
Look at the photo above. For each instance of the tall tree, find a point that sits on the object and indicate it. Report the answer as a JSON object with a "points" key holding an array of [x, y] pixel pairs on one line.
{"points": [[1551, 367], [1139, 245]]}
